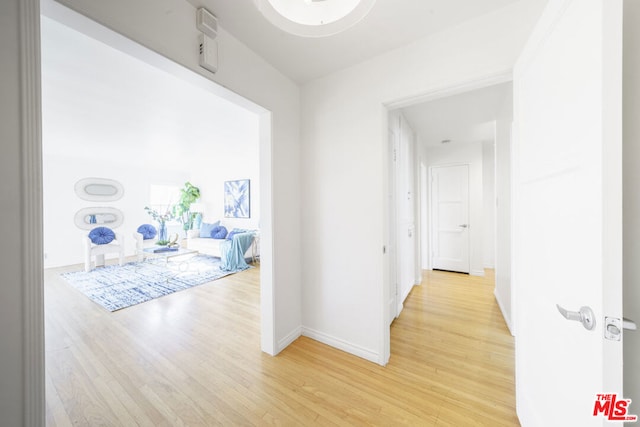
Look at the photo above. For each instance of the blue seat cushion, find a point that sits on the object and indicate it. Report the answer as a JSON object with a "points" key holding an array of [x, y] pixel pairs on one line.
{"points": [[102, 236], [148, 231], [206, 228], [219, 232]]}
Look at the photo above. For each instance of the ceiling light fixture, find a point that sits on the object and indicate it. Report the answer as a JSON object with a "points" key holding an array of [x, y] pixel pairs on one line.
{"points": [[314, 18]]}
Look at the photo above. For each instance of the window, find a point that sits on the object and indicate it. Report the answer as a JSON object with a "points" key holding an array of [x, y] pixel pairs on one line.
{"points": [[162, 198]]}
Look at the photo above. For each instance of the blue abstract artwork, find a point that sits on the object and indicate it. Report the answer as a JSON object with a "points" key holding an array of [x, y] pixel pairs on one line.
{"points": [[236, 199]]}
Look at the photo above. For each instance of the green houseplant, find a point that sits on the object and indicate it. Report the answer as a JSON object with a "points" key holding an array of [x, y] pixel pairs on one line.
{"points": [[189, 194]]}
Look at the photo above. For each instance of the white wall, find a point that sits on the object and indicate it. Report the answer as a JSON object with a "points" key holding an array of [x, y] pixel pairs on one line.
{"points": [[344, 134], [503, 207], [167, 27], [489, 204], [62, 239], [472, 155], [631, 197], [210, 173]]}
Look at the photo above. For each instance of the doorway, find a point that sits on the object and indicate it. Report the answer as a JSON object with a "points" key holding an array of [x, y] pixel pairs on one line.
{"points": [[262, 143], [462, 131]]}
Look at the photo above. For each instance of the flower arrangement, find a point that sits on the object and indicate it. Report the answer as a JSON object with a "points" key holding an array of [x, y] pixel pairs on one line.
{"points": [[162, 219], [159, 217]]}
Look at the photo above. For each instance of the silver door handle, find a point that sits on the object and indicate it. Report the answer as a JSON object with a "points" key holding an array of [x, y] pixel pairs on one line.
{"points": [[463, 225], [584, 315], [628, 324]]}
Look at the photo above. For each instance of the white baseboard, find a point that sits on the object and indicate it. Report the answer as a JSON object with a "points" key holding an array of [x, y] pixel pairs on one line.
{"points": [[507, 319], [340, 344], [287, 340], [479, 273]]}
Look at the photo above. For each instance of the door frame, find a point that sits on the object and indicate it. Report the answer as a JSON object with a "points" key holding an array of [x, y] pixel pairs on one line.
{"points": [[431, 94]]}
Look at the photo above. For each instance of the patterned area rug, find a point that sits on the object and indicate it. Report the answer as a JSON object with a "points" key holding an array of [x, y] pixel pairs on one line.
{"points": [[115, 287]]}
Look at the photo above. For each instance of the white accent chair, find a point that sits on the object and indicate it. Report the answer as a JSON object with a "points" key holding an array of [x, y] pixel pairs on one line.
{"points": [[141, 244], [99, 251]]}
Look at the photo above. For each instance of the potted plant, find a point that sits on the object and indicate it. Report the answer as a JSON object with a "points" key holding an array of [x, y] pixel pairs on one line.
{"points": [[189, 194]]}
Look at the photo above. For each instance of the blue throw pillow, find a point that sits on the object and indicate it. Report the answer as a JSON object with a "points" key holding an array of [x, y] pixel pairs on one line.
{"points": [[102, 235], [205, 229], [148, 231], [219, 232]]}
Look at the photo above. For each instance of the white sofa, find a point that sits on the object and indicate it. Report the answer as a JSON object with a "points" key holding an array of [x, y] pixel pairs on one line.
{"points": [[210, 246]]}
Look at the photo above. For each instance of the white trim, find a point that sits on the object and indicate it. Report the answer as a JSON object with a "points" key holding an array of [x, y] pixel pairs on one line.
{"points": [[289, 338], [453, 89], [356, 350], [31, 207], [507, 320], [479, 273]]}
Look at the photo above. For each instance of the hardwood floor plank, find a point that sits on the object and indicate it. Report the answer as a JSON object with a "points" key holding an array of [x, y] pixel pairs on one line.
{"points": [[193, 358]]}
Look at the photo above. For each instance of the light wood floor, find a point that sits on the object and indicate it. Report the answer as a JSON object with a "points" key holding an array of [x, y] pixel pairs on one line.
{"points": [[193, 358]]}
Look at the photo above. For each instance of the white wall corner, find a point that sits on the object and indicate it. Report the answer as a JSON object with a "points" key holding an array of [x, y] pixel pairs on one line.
{"points": [[506, 318], [354, 349], [288, 339]]}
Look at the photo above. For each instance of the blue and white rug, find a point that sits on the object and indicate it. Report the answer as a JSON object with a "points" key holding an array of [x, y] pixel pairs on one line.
{"points": [[115, 287]]}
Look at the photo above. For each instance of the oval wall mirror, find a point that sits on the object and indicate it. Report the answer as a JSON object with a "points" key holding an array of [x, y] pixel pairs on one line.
{"points": [[99, 189], [90, 218]]}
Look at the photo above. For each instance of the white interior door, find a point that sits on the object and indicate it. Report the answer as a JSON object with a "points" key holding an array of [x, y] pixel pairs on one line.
{"points": [[450, 218], [406, 212], [393, 227], [567, 218]]}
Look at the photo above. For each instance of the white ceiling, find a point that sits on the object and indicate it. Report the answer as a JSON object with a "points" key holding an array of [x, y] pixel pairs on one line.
{"points": [[99, 91], [389, 25], [98, 101], [464, 118]]}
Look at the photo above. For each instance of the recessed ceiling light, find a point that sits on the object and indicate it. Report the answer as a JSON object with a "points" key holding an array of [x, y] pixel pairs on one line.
{"points": [[314, 18]]}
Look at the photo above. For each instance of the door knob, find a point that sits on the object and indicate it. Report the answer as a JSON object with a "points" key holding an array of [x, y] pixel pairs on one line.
{"points": [[463, 225], [584, 315]]}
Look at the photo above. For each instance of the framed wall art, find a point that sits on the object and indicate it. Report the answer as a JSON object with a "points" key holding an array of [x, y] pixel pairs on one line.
{"points": [[236, 199]]}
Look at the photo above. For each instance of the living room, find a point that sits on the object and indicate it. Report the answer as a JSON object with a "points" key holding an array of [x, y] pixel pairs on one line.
{"points": [[109, 115]]}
